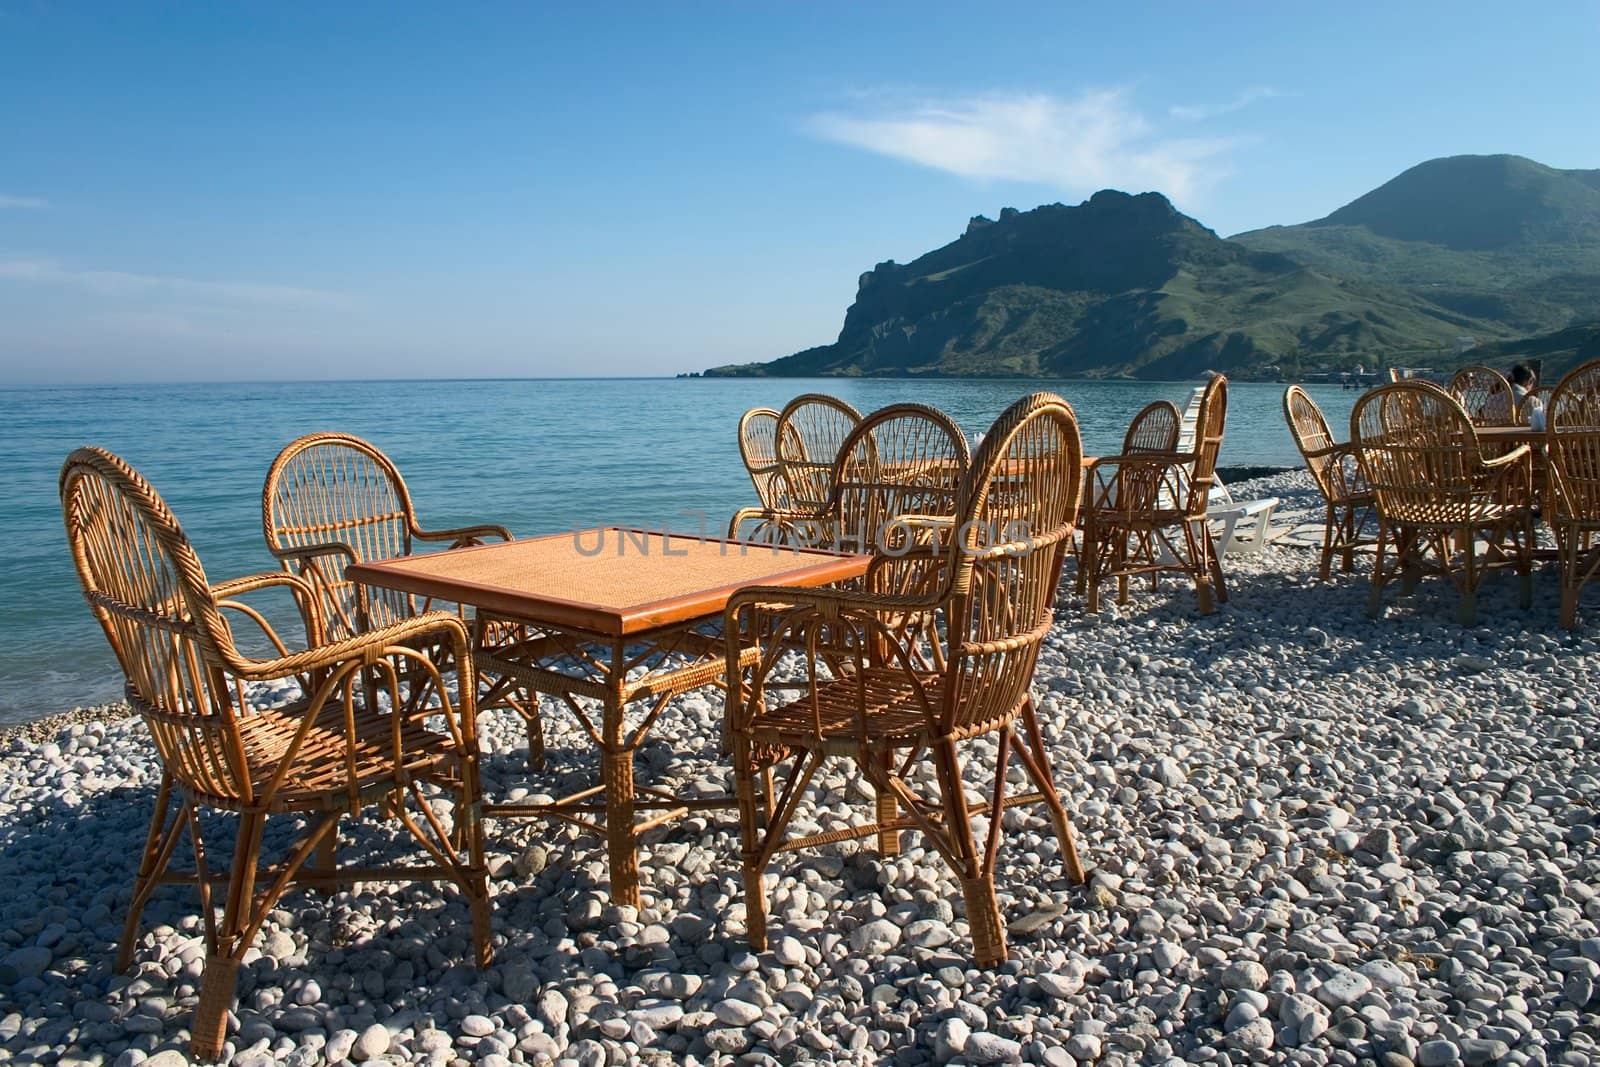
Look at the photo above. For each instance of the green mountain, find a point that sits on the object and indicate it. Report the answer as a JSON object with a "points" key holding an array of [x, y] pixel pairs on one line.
{"points": [[1119, 285], [1494, 237]]}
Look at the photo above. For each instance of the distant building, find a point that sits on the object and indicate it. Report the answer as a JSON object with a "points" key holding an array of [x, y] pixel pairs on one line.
{"points": [[1465, 344]]}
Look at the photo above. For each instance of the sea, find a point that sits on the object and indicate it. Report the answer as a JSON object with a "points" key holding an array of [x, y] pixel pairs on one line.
{"points": [[536, 455]]}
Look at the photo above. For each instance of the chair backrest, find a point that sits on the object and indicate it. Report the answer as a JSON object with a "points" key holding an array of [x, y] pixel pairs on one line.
{"points": [[146, 587], [1485, 395], [1017, 507], [1419, 452], [1311, 436], [809, 433], [1209, 426], [1154, 429], [758, 447], [1572, 441], [905, 461], [336, 489]]}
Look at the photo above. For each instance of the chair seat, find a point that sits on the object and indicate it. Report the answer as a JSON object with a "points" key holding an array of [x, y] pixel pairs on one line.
{"points": [[319, 779], [1483, 514], [893, 711]]}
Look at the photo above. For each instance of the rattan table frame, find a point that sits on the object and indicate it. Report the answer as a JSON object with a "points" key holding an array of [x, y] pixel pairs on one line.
{"points": [[528, 642]]}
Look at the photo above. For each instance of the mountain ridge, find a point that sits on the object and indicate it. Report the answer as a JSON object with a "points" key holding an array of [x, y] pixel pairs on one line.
{"points": [[1126, 285]]}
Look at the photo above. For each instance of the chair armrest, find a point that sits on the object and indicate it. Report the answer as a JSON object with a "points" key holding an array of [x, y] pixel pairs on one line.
{"points": [[366, 646], [1513, 456], [843, 630], [305, 597], [776, 517], [304, 553], [233, 587], [1150, 470], [465, 536]]}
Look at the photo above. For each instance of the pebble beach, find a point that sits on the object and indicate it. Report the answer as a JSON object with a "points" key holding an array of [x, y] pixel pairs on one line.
{"points": [[1315, 838]]}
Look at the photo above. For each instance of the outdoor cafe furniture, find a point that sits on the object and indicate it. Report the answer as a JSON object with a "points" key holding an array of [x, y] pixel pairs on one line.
{"points": [[1337, 473], [1153, 430], [807, 436], [1437, 492], [1145, 512], [1485, 395], [332, 499], [613, 624], [1572, 449], [332, 754], [758, 448], [892, 712]]}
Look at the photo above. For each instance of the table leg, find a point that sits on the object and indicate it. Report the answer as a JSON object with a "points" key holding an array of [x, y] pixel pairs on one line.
{"points": [[616, 771]]}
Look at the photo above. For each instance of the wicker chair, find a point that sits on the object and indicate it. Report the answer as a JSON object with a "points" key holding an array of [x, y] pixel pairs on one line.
{"points": [[993, 584], [807, 437], [1154, 429], [1435, 491], [1572, 446], [758, 447], [332, 754], [1337, 472], [333, 499], [1485, 395], [1137, 500]]}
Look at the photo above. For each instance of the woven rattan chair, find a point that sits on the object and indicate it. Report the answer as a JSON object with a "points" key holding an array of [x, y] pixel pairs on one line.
{"points": [[807, 437], [332, 754], [1572, 447], [758, 447], [333, 499], [1154, 429], [1436, 492], [994, 586], [1337, 472], [1485, 395], [1145, 512]]}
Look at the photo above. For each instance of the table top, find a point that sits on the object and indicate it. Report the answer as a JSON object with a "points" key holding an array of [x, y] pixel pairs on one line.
{"points": [[610, 580], [1510, 433]]}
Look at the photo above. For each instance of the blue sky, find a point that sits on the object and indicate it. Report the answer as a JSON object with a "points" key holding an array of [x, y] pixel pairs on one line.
{"points": [[281, 190]]}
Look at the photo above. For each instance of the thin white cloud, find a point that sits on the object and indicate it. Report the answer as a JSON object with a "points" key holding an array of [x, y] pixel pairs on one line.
{"points": [[1079, 144], [123, 283], [26, 203], [1243, 99]]}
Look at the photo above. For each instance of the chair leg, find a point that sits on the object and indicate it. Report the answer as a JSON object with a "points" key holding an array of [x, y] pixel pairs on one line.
{"points": [[219, 979], [326, 858], [1569, 551], [1037, 763], [755, 894], [1214, 562], [888, 811], [1329, 526], [1468, 611], [153, 862], [1194, 543], [977, 882], [1379, 575]]}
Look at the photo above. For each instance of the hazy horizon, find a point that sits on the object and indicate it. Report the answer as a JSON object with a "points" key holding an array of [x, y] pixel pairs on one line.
{"points": [[234, 194]]}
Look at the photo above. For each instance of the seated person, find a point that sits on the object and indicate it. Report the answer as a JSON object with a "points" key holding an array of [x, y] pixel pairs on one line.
{"points": [[1530, 409]]}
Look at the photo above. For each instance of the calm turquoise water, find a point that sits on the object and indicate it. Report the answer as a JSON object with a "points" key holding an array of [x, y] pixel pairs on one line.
{"points": [[537, 456]]}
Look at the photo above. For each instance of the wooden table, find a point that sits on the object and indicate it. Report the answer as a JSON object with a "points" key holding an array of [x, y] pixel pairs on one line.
{"points": [[607, 616]]}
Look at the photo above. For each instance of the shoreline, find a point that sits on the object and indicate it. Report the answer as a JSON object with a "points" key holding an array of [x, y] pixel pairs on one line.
{"points": [[49, 727]]}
